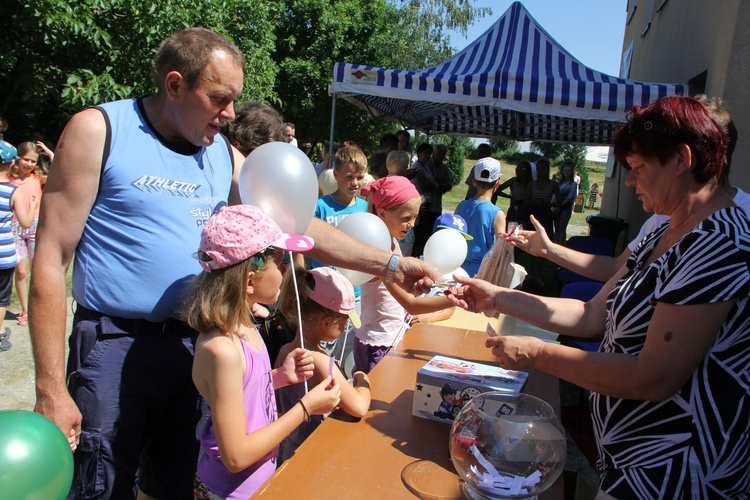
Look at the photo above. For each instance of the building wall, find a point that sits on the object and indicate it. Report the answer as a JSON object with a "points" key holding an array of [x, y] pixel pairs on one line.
{"points": [[685, 39]]}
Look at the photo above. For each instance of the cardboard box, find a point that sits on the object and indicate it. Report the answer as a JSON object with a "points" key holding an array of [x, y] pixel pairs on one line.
{"points": [[445, 384]]}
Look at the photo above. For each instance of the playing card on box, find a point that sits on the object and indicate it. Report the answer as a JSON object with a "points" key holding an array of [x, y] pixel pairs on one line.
{"points": [[445, 384]]}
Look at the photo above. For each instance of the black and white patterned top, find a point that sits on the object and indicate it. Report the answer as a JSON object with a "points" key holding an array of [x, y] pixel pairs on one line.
{"points": [[696, 443]]}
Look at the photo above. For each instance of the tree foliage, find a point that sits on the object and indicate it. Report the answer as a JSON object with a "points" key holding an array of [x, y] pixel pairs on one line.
{"points": [[500, 146], [315, 34], [549, 150], [458, 150], [60, 56]]}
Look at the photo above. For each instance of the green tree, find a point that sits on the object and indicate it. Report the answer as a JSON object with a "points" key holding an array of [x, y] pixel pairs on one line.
{"points": [[458, 150], [314, 34], [549, 150], [60, 56], [500, 146]]}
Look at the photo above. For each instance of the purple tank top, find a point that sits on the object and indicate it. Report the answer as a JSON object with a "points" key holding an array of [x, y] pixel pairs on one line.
{"points": [[260, 410]]}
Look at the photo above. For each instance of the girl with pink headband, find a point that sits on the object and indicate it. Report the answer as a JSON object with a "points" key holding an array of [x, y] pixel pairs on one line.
{"points": [[386, 307]]}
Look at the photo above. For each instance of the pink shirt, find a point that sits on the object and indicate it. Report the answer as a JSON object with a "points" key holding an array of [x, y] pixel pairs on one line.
{"points": [[260, 410]]}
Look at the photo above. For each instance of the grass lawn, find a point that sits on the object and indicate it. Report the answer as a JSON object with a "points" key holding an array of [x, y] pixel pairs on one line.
{"points": [[577, 226]]}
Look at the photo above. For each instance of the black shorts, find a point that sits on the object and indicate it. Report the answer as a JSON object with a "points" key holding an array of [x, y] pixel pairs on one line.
{"points": [[6, 286]]}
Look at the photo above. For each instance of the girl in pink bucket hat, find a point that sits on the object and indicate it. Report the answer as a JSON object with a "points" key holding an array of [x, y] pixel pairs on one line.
{"points": [[326, 302], [241, 250]]}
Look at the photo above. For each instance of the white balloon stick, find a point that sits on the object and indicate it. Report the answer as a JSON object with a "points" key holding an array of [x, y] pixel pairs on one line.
{"points": [[299, 309]]}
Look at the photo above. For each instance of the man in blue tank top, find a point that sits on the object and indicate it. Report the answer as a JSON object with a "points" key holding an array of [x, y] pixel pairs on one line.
{"points": [[134, 182], [132, 185]]}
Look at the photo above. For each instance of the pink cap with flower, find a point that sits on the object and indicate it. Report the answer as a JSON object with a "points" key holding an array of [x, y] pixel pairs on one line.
{"points": [[236, 233], [334, 292]]}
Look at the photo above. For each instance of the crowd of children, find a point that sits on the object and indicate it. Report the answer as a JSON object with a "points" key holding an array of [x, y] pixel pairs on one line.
{"points": [[21, 181], [260, 409]]}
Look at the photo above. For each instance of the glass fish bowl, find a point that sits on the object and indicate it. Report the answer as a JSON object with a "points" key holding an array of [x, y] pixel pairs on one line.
{"points": [[507, 446]]}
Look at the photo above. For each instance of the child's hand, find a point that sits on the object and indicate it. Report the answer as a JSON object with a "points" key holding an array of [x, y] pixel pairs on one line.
{"points": [[45, 150], [419, 318], [298, 366], [324, 397]]}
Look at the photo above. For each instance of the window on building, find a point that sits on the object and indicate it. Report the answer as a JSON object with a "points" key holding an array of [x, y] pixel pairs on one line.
{"points": [[632, 5], [649, 17]]}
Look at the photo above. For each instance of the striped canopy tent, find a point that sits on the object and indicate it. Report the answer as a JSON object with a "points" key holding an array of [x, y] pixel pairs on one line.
{"points": [[515, 82]]}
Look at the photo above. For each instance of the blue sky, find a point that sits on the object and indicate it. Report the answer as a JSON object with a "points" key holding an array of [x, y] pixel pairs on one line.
{"points": [[591, 30]]}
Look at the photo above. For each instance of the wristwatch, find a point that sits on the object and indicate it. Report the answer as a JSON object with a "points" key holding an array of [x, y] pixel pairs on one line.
{"points": [[392, 266]]}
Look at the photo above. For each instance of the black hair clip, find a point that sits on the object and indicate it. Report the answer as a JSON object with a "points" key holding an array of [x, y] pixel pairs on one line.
{"points": [[637, 126]]}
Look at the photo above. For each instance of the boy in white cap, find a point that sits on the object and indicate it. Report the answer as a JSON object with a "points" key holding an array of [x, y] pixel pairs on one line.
{"points": [[483, 218], [24, 214]]}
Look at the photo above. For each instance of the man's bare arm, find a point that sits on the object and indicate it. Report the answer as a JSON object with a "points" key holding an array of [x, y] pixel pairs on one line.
{"points": [[234, 192], [69, 194], [336, 248]]}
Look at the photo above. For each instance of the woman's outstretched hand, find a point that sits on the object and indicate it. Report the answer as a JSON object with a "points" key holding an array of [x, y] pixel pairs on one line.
{"points": [[474, 295], [534, 242]]}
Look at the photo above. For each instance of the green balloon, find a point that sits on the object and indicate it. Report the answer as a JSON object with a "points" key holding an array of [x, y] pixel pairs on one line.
{"points": [[35, 458]]}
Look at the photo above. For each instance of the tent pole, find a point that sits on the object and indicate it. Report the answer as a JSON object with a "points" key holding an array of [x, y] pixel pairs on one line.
{"points": [[333, 123]]}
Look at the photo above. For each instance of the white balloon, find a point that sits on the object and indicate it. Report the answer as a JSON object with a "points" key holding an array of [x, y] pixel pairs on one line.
{"points": [[445, 250], [280, 179], [367, 228]]}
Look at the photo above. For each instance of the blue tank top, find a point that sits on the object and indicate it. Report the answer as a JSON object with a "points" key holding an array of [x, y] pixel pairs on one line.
{"points": [[136, 255], [480, 219]]}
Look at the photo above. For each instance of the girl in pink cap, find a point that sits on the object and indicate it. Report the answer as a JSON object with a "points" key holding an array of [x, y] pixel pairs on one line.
{"points": [[240, 252], [384, 305], [326, 303]]}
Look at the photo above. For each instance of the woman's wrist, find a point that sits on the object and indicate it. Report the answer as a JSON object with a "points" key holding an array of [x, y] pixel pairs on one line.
{"points": [[498, 301]]}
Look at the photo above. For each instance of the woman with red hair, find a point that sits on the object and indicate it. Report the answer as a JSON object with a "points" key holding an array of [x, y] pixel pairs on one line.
{"points": [[669, 383]]}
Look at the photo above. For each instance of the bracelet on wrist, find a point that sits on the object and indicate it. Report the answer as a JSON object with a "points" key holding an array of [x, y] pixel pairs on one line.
{"points": [[392, 267], [304, 409]]}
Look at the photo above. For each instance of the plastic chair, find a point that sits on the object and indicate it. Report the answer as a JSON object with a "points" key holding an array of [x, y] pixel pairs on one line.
{"points": [[581, 290], [594, 245]]}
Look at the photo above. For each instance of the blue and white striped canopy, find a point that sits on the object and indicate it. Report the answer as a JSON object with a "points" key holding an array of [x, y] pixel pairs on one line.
{"points": [[513, 82]]}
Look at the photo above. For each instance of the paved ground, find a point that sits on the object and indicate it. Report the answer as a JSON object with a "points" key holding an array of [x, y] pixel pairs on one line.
{"points": [[17, 367]]}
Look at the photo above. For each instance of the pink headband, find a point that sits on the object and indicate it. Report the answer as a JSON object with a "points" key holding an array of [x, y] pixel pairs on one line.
{"points": [[390, 191]]}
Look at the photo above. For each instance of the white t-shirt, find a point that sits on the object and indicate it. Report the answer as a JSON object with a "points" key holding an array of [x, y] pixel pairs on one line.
{"points": [[384, 320]]}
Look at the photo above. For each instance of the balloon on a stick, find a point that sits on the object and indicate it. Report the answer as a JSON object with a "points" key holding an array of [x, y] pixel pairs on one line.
{"points": [[280, 179], [445, 250], [367, 228]]}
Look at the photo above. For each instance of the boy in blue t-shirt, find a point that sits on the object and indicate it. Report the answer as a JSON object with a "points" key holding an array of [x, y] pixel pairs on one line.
{"points": [[350, 165], [484, 220]]}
